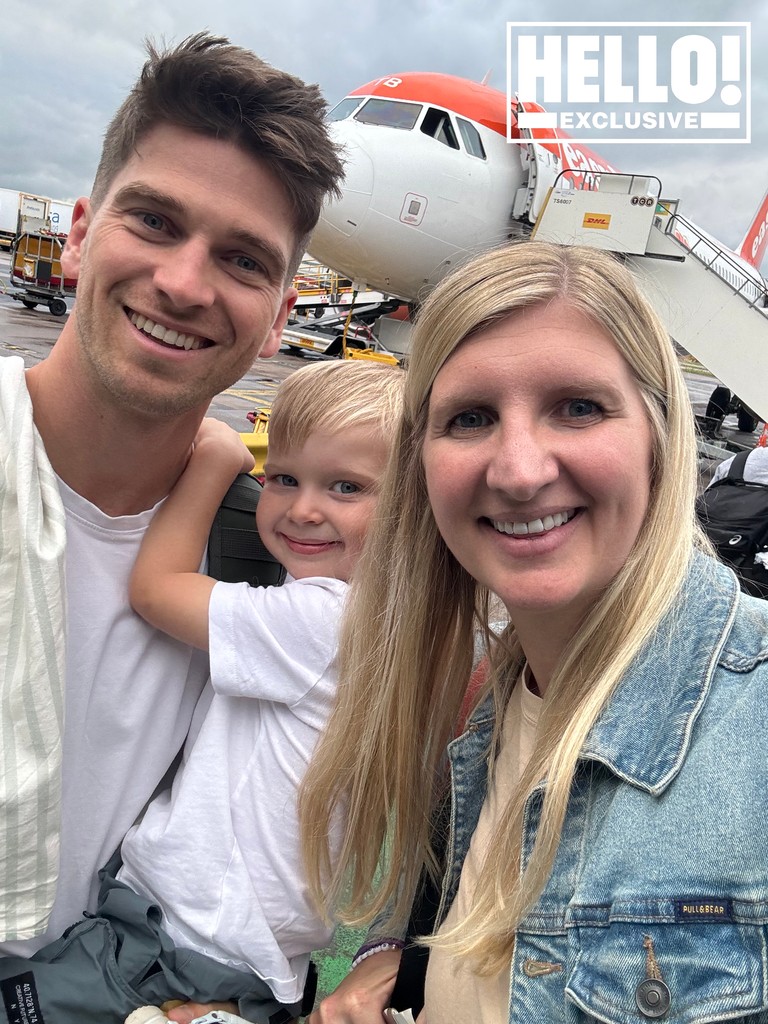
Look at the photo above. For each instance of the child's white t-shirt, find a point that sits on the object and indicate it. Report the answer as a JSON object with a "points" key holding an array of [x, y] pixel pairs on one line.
{"points": [[220, 851]]}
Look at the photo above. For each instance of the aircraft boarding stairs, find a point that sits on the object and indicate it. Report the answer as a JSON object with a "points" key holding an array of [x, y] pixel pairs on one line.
{"points": [[709, 303]]}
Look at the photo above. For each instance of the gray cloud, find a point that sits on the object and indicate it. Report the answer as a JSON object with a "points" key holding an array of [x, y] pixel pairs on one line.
{"points": [[64, 73]]}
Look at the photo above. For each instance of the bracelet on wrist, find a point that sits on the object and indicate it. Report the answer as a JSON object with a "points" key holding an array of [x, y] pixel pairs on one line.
{"points": [[373, 947]]}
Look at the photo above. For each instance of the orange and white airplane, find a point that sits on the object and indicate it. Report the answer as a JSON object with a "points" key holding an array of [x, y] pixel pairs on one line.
{"points": [[431, 178]]}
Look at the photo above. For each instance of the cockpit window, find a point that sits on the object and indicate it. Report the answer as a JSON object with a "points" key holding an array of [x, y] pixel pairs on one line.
{"points": [[471, 136], [389, 113], [437, 123], [343, 109]]}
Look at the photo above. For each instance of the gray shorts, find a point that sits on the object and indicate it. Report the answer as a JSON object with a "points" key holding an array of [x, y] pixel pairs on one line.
{"points": [[105, 966]]}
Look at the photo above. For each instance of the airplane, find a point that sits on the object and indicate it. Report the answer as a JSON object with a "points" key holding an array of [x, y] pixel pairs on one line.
{"points": [[430, 179]]}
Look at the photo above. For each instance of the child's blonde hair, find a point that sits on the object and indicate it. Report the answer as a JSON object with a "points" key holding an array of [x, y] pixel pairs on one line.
{"points": [[331, 396]]}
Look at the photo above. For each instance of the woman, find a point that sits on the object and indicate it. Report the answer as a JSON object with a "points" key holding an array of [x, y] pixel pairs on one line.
{"points": [[606, 856]]}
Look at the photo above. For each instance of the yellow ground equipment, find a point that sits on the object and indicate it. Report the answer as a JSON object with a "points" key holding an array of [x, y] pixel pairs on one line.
{"points": [[256, 440], [372, 356], [36, 271]]}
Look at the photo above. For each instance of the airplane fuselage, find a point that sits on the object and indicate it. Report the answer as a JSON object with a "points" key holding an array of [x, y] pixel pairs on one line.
{"points": [[432, 179]]}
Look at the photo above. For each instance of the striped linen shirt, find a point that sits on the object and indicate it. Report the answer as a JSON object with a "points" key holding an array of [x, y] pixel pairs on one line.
{"points": [[32, 625]]}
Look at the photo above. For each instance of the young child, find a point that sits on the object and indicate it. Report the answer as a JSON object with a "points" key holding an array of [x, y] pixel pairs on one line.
{"points": [[219, 853]]}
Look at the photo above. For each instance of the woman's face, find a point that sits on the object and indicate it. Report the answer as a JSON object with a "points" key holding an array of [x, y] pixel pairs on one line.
{"points": [[538, 459]]}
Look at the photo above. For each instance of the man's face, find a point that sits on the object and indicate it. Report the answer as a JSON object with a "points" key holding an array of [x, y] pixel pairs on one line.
{"points": [[181, 273]]}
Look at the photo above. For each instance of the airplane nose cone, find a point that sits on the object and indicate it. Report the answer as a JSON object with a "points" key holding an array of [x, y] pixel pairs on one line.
{"points": [[346, 214]]}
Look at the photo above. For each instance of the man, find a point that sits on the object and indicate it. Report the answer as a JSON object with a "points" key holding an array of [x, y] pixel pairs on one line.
{"points": [[211, 178]]}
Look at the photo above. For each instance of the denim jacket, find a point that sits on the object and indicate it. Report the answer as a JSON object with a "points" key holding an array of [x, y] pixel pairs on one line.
{"points": [[657, 906]]}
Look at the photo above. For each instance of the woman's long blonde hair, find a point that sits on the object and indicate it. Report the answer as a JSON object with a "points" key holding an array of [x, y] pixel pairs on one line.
{"points": [[407, 643]]}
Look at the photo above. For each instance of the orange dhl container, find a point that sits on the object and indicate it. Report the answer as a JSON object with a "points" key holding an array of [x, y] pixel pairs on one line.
{"points": [[36, 271]]}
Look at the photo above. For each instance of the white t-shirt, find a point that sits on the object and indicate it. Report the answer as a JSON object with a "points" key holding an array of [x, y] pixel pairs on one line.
{"points": [[130, 695], [220, 852]]}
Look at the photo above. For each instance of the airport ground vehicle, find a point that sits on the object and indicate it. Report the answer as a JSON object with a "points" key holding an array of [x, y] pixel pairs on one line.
{"points": [[15, 205], [60, 216], [723, 403], [332, 316], [36, 273]]}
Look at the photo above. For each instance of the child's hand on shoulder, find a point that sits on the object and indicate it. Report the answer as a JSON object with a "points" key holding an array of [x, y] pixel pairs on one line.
{"points": [[217, 441]]}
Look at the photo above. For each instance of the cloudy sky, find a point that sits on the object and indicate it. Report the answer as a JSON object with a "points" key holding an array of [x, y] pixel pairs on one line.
{"points": [[65, 67]]}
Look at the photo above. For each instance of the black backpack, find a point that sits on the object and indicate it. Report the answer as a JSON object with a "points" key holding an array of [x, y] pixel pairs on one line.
{"points": [[235, 551], [734, 514]]}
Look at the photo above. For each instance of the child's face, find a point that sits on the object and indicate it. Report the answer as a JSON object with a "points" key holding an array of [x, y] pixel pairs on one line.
{"points": [[318, 501]]}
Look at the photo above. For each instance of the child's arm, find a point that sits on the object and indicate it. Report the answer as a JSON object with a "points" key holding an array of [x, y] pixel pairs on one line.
{"points": [[166, 588]]}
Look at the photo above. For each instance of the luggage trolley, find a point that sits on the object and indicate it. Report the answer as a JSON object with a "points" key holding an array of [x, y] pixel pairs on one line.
{"points": [[36, 271]]}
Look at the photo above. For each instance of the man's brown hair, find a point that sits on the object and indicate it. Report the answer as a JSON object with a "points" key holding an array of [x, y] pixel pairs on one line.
{"points": [[212, 87]]}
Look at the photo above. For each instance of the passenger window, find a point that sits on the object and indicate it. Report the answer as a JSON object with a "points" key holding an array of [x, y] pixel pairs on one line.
{"points": [[437, 123], [471, 136], [389, 113]]}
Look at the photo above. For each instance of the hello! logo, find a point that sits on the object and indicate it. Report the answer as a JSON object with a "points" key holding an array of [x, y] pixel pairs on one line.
{"points": [[677, 82]]}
